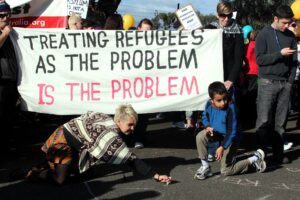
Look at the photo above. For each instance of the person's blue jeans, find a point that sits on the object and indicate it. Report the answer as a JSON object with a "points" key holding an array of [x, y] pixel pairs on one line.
{"points": [[212, 147], [272, 107]]}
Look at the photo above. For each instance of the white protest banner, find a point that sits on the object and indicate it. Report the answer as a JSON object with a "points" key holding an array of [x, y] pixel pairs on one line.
{"points": [[70, 72], [79, 7], [14, 3], [188, 18], [40, 14]]}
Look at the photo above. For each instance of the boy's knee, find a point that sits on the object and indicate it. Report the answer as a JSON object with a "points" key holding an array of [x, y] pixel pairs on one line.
{"points": [[200, 136]]}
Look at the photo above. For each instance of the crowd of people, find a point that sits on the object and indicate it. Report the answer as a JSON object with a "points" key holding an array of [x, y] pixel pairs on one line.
{"points": [[266, 67]]}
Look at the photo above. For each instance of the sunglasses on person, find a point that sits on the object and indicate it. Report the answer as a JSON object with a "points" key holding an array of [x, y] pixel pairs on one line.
{"points": [[5, 15], [226, 15]]}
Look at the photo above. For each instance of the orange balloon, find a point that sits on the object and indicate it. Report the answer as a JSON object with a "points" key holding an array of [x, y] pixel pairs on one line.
{"points": [[296, 9], [128, 21]]}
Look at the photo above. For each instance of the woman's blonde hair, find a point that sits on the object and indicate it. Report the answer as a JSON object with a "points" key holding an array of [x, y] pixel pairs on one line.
{"points": [[73, 19], [125, 112], [224, 7]]}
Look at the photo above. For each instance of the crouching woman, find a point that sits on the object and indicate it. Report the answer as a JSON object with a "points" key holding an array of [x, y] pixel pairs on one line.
{"points": [[84, 141]]}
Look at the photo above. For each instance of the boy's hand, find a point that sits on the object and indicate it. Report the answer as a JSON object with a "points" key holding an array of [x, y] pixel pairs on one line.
{"points": [[209, 131], [219, 153]]}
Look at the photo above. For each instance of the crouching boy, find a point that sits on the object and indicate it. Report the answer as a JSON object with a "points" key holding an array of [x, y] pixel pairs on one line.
{"points": [[220, 122]]}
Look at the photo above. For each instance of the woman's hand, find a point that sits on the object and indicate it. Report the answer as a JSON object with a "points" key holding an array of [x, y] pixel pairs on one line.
{"points": [[228, 84], [162, 178]]}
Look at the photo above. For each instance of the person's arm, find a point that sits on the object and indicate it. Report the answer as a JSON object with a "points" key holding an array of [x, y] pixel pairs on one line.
{"points": [[231, 131], [5, 34], [294, 63], [144, 169], [239, 54], [188, 115], [189, 120], [263, 57], [205, 116], [231, 127]]}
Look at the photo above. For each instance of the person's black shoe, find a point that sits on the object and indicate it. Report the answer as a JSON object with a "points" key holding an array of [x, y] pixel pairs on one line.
{"points": [[18, 174], [286, 160], [283, 160], [298, 123], [9, 154]]}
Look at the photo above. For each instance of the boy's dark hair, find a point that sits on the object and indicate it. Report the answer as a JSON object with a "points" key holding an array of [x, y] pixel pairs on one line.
{"points": [[145, 21], [284, 11], [216, 87]]}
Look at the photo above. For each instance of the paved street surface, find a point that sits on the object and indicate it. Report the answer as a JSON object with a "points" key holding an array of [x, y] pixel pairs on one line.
{"points": [[170, 151]]}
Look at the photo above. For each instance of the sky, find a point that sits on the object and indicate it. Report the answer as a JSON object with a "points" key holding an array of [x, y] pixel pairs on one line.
{"points": [[140, 9]]}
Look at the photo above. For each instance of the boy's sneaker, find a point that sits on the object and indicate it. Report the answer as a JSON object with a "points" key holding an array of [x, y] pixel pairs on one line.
{"points": [[210, 158], [202, 173], [287, 146], [260, 163], [160, 116], [180, 125], [138, 145]]}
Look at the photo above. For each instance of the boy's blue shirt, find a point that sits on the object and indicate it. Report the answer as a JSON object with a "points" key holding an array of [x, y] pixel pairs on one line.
{"points": [[223, 121]]}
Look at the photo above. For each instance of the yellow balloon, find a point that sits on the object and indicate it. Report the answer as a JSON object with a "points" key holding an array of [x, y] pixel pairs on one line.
{"points": [[128, 21], [296, 9]]}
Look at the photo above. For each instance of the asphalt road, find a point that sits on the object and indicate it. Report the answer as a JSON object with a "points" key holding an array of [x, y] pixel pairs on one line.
{"points": [[169, 150]]}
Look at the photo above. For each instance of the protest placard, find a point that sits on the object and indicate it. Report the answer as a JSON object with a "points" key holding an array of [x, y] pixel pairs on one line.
{"points": [[188, 18], [79, 7]]}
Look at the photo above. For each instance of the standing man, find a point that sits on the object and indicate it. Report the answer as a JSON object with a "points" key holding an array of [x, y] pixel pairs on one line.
{"points": [[8, 78], [276, 56]]}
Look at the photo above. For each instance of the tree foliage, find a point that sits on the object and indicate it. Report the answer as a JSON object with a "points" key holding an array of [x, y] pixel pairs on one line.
{"points": [[169, 21], [207, 19], [257, 12], [164, 21]]}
